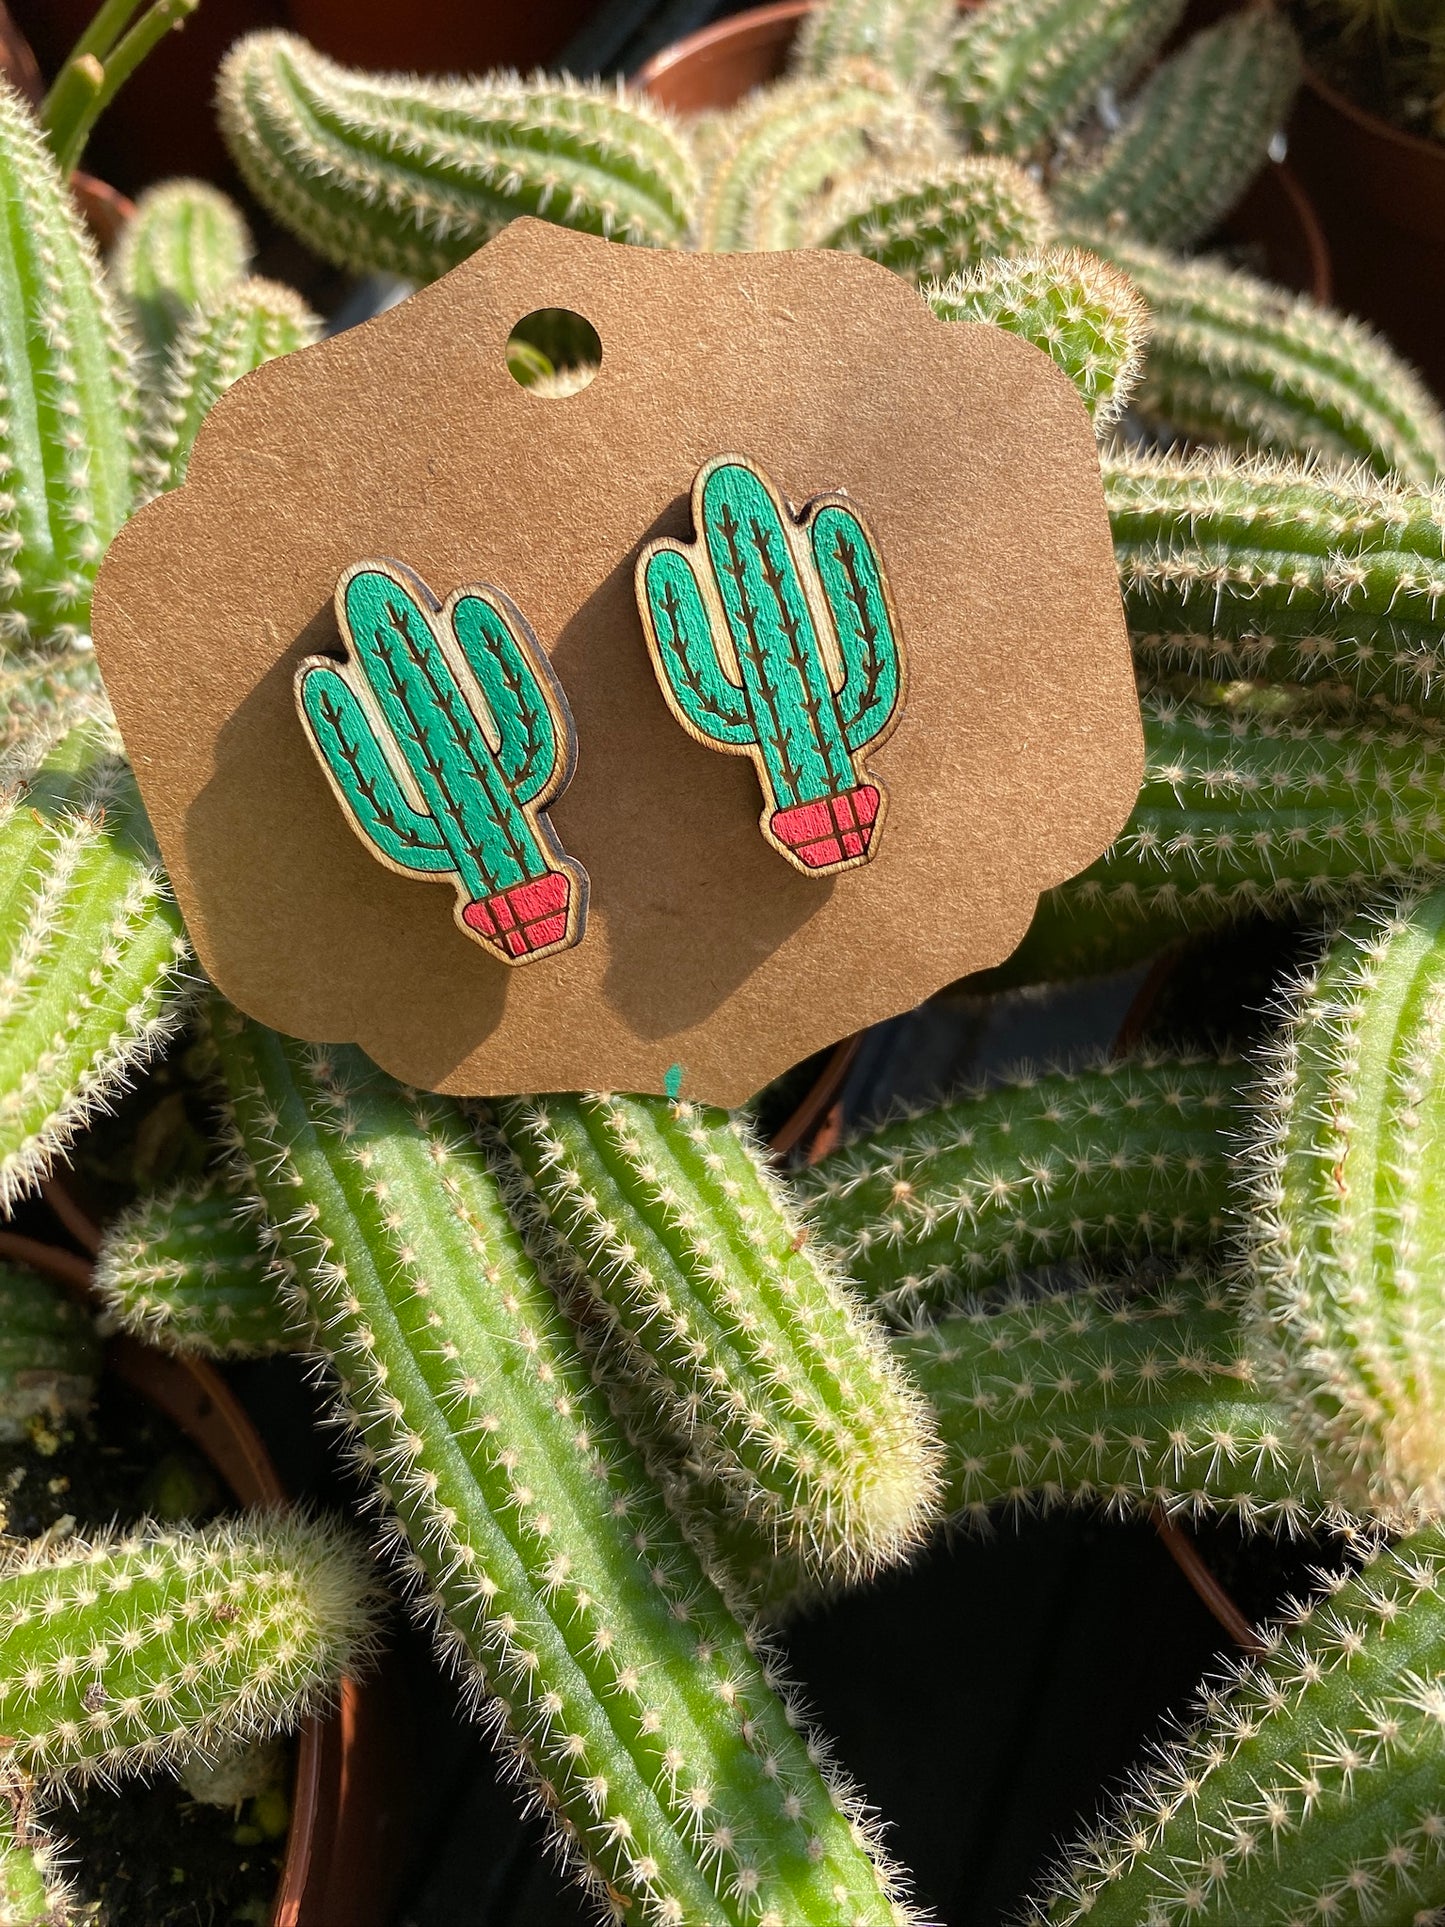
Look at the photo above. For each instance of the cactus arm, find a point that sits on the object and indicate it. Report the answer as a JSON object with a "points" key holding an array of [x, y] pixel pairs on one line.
{"points": [[537, 748], [744, 527], [184, 247], [611, 1669], [930, 222], [355, 761], [706, 700], [1129, 1157], [388, 623], [32, 1891], [871, 697], [907, 37]]}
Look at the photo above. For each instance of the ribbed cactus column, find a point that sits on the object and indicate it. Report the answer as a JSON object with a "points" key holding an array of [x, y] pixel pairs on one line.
{"points": [[124, 1653], [187, 1269], [1254, 802], [93, 958], [67, 436], [1121, 1158], [628, 1697], [908, 37], [940, 222], [1022, 72], [411, 176], [1345, 1206], [1236, 360], [1309, 1791], [1193, 137], [185, 246], [1282, 573], [755, 1351]]}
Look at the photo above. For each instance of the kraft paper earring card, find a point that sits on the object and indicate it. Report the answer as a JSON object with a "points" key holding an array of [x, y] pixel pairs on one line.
{"points": [[918, 677]]}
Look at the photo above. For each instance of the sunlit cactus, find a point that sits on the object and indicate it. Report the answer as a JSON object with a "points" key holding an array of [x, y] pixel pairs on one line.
{"points": [[1340, 1213], [1076, 308], [1308, 1791], [1238, 361], [929, 226], [1020, 73], [755, 1351], [1123, 1158], [1251, 802], [93, 958], [67, 433], [251, 322], [1193, 137], [623, 1692], [784, 149], [1283, 573], [185, 246], [908, 37], [186, 1269], [411, 176]]}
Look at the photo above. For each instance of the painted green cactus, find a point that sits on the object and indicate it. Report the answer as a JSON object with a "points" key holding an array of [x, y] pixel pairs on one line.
{"points": [[444, 736], [733, 622]]}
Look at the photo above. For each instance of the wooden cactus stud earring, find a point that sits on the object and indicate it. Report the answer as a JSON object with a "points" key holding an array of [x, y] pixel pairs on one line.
{"points": [[773, 636], [444, 735]]}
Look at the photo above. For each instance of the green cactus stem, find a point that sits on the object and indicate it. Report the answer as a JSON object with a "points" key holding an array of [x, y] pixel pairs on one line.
{"points": [[125, 1653], [1308, 1791], [49, 1354], [186, 1269], [251, 322], [1283, 574], [67, 438], [788, 146], [1117, 1159], [1342, 1219], [1021, 73], [907, 37], [766, 689], [32, 1891], [185, 246], [98, 66], [940, 223], [42, 692], [93, 956], [1257, 802], [753, 1349], [675, 1779], [1193, 137], [1237, 361], [1074, 307], [411, 176], [458, 702]]}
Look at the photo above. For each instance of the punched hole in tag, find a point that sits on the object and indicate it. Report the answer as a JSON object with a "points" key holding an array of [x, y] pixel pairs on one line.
{"points": [[554, 353]]}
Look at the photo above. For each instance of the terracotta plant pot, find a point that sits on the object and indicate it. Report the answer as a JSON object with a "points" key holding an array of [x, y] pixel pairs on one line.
{"points": [[714, 68], [1381, 195], [348, 1803]]}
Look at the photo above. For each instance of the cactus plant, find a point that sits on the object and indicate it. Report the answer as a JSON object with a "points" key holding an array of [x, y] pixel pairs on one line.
{"points": [[767, 573], [1021, 73], [67, 436], [1235, 360], [249, 323], [425, 692], [751, 1346], [1342, 1235], [93, 958], [787, 146], [907, 37], [940, 223], [1193, 137], [1124, 1157], [1252, 802], [1282, 573], [49, 1355], [106, 55], [127, 1652], [184, 247], [674, 1778], [410, 176], [186, 1269], [32, 1893], [1073, 306], [1309, 1790]]}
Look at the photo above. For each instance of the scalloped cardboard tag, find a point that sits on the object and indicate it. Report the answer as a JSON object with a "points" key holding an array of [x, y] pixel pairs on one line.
{"points": [[709, 962]]}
